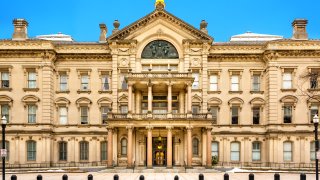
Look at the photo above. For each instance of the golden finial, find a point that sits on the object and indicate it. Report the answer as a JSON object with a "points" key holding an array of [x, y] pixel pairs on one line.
{"points": [[160, 4]]}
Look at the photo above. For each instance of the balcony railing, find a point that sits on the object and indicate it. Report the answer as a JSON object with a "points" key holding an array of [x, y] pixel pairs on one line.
{"points": [[199, 116], [160, 75]]}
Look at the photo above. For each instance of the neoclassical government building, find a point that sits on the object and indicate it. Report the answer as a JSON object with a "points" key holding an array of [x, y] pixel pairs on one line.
{"points": [[159, 93]]}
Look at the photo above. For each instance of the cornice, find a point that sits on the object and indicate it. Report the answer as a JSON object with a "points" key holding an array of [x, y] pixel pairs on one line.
{"points": [[86, 57], [27, 44], [26, 53], [235, 58]]}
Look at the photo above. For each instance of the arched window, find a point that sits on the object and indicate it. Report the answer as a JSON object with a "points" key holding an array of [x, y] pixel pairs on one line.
{"points": [[256, 151], [104, 150], [7, 147], [124, 146], [84, 151], [31, 150], [235, 151], [160, 49], [63, 151], [195, 146], [287, 151]]}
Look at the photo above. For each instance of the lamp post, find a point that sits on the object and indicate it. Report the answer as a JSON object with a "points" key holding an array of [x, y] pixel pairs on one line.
{"points": [[316, 122], [3, 150]]}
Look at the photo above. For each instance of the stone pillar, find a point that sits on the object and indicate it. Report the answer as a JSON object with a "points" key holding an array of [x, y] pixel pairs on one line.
{"points": [[110, 147], [129, 153], [149, 99], [189, 146], [189, 110], [181, 101], [129, 98], [169, 100], [138, 102], [169, 147], [149, 148], [209, 142]]}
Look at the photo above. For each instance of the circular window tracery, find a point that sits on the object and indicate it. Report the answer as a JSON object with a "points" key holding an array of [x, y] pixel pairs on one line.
{"points": [[160, 49]]}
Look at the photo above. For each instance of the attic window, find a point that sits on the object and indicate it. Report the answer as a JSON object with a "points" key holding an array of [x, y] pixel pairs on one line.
{"points": [[160, 49]]}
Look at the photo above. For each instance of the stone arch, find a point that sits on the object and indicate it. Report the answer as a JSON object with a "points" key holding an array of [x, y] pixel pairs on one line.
{"points": [[257, 101], [289, 99], [104, 102], [30, 99], [83, 101], [62, 101], [214, 101], [4, 99], [236, 101], [160, 49]]}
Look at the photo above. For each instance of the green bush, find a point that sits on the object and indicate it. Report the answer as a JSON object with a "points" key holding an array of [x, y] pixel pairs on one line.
{"points": [[214, 160]]}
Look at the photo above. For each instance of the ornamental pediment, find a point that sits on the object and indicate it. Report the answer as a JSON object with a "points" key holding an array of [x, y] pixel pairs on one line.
{"points": [[160, 17]]}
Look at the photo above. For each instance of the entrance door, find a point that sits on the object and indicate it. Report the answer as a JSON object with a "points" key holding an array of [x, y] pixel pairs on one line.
{"points": [[159, 151]]}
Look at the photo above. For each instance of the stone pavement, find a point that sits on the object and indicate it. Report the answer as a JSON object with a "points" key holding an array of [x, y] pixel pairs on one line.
{"points": [[158, 176]]}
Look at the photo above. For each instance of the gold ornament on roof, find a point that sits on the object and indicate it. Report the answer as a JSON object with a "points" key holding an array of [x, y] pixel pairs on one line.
{"points": [[160, 4]]}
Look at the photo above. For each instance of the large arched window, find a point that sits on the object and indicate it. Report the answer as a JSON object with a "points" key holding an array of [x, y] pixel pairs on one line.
{"points": [[124, 145], [160, 49]]}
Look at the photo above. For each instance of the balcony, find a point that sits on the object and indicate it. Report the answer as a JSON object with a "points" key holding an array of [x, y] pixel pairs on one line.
{"points": [[119, 116]]}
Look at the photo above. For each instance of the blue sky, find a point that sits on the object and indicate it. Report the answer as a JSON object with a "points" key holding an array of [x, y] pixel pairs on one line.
{"points": [[81, 18]]}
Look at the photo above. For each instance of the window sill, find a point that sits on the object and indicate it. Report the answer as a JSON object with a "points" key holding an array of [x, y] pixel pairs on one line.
{"points": [[63, 92], [5, 89], [214, 92], [289, 90], [84, 91], [314, 89], [256, 92], [31, 89], [235, 92], [105, 92]]}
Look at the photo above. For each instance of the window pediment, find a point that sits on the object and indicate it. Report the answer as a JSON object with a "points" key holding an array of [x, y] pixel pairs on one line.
{"points": [[257, 101], [123, 99], [104, 102], [61, 101], [289, 99], [83, 102], [30, 99], [236, 102], [5, 100], [214, 102]]}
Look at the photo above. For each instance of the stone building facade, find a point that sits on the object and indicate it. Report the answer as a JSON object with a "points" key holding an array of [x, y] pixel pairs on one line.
{"points": [[158, 92]]}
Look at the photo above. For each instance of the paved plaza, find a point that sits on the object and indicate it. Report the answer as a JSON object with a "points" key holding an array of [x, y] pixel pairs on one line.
{"points": [[160, 176]]}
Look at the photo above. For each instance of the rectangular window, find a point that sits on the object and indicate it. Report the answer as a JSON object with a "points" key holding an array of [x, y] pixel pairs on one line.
{"points": [[84, 151], [213, 83], [5, 80], [32, 113], [84, 82], [313, 111], [123, 109], [123, 82], [105, 83], [195, 109], [62, 151], [63, 115], [235, 151], [255, 83], [84, 115], [312, 151], [104, 151], [32, 80], [31, 150], [256, 115], [63, 82], [287, 151], [104, 114], [256, 151], [287, 80], [287, 114], [5, 111], [235, 115], [235, 86], [195, 84], [214, 113], [215, 149]]}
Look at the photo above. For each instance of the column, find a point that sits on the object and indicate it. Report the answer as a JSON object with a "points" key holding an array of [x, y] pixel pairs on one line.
{"points": [[181, 101], [189, 146], [129, 98], [138, 102], [129, 153], [149, 148], [189, 99], [169, 147], [209, 142], [169, 100], [149, 99], [110, 147]]}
